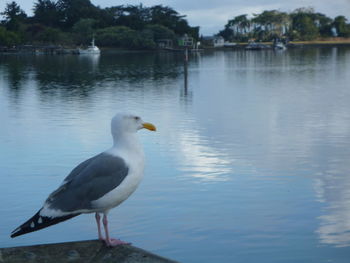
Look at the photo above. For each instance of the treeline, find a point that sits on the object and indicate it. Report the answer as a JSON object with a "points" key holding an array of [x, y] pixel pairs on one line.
{"points": [[301, 24], [74, 22]]}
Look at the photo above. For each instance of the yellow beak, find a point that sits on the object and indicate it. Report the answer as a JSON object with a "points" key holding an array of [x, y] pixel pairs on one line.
{"points": [[149, 126]]}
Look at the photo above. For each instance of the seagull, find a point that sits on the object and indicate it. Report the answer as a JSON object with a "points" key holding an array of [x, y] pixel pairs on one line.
{"points": [[97, 184]]}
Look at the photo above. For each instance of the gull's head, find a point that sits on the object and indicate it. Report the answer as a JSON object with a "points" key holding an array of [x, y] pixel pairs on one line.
{"points": [[129, 123]]}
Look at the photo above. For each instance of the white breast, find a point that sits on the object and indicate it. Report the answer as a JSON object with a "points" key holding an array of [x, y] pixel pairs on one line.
{"points": [[135, 162]]}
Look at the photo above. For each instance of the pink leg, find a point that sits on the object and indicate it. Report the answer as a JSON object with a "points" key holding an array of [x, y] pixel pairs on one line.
{"points": [[111, 242], [97, 216]]}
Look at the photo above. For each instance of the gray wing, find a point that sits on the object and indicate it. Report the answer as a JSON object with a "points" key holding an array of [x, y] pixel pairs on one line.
{"points": [[89, 181]]}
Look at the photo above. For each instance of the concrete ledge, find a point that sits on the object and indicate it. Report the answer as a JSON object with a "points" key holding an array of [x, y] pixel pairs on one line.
{"points": [[80, 251]]}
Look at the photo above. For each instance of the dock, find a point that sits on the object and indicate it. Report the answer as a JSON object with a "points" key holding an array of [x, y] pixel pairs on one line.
{"points": [[93, 251]]}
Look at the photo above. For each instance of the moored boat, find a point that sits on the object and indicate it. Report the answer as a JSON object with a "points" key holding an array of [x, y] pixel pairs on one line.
{"points": [[90, 49]]}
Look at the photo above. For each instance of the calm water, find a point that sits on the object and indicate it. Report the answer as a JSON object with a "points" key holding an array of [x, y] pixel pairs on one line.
{"points": [[251, 161]]}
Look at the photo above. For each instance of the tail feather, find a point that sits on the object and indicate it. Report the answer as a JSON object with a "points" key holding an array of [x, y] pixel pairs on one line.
{"points": [[38, 222]]}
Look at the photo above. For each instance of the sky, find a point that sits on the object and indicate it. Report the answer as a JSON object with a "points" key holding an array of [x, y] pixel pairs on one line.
{"points": [[212, 15]]}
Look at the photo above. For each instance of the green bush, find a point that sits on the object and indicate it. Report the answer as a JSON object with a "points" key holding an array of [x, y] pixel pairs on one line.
{"points": [[122, 37], [49, 35], [160, 32], [8, 38], [83, 30]]}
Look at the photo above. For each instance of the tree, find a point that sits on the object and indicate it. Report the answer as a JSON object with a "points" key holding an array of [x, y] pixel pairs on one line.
{"points": [[50, 35], [239, 26], [132, 16], [84, 30], [227, 33], [14, 15], [138, 17], [166, 16], [46, 12], [301, 24], [118, 36], [75, 21], [71, 11], [343, 29], [303, 21], [324, 24], [105, 17], [160, 32], [271, 24], [8, 38]]}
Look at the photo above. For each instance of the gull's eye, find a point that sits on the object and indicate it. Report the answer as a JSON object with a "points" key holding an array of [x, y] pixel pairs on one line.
{"points": [[137, 118]]}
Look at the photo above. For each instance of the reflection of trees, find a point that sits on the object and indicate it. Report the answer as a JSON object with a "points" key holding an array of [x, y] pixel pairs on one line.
{"points": [[71, 75], [140, 65], [15, 74], [81, 76]]}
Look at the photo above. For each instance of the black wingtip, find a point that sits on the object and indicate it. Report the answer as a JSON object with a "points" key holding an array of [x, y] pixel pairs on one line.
{"points": [[38, 222]]}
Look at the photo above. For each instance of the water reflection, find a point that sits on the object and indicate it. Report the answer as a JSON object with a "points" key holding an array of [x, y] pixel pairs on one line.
{"points": [[333, 190], [13, 72], [91, 60], [201, 161], [257, 129], [72, 76], [245, 142]]}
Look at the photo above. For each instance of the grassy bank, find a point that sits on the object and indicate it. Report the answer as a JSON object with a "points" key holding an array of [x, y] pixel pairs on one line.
{"points": [[330, 41]]}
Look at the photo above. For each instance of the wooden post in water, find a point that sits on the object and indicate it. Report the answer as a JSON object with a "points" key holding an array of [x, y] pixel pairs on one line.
{"points": [[185, 71], [186, 55]]}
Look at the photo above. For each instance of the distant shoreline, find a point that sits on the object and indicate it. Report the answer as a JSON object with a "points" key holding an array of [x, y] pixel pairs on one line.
{"points": [[292, 44], [295, 44], [336, 41]]}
